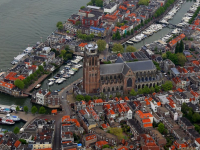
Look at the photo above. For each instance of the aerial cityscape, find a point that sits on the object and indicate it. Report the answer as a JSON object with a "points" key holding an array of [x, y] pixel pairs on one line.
{"points": [[112, 75]]}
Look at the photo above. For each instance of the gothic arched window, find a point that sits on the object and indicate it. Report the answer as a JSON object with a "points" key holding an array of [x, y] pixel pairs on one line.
{"points": [[129, 82]]}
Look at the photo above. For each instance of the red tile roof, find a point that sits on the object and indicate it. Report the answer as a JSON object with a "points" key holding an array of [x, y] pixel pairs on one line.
{"points": [[177, 39], [17, 143], [101, 143], [7, 85], [12, 76], [82, 44], [90, 137]]}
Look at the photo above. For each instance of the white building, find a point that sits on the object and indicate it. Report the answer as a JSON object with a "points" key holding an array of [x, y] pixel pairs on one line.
{"points": [[110, 8]]}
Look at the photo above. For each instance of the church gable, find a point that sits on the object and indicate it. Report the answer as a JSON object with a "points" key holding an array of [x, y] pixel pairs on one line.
{"points": [[129, 73]]}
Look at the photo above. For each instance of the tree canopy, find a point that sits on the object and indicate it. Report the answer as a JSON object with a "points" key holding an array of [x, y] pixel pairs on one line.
{"points": [[118, 48], [80, 97], [181, 59], [82, 7], [101, 45], [130, 49], [16, 130], [19, 83], [42, 110], [59, 25], [117, 131], [25, 109], [34, 109], [161, 128], [143, 2], [87, 98], [167, 86]]}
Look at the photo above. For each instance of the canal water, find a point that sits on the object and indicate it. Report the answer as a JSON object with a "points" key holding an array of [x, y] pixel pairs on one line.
{"points": [[24, 22], [175, 20]]}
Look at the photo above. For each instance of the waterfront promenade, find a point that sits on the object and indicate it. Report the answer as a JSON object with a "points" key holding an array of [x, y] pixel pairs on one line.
{"points": [[32, 86]]}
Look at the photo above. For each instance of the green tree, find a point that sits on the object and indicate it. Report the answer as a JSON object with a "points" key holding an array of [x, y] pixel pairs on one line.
{"points": [[16, 130], [167, 86], [59, 25], [140, 91], [19, 83], [101, 45], [80, 97], [146, 90], [117, 131], [89, 3], [161, 128], [157, 88], [118, 48], [103, 96], [42, 110], [105, 146], [25, 109], [34, 109], [177, 48], [164, 56], [133, 92], [23, 141], [99, 3], [67, 48], [117, 35], [128, 33], [143, 2], [195, 117], [152, 90], [87, 98], [17, 108], [82, 7], [130, 48], [63, 53], [181, 59], [132, 31], [41, 68]]}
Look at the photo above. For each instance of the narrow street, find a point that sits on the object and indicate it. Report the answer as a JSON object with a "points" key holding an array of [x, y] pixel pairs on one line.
{"points": [[66, 110]]}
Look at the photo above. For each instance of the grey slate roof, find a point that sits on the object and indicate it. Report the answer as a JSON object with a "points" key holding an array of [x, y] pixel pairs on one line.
{"points": [[119, 60], [141, 65], [124, 67], [111, 68]]}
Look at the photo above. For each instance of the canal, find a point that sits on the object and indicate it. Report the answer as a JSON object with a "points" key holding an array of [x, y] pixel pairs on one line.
{"points": [[175, 20]]}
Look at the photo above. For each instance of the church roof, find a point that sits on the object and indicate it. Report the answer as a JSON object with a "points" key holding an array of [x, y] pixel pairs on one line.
{"points": [[124, 67], [111, 68], [141, 65]]}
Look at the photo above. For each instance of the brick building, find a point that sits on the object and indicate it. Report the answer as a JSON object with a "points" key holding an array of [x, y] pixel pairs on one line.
{"points": [[119, 77]]}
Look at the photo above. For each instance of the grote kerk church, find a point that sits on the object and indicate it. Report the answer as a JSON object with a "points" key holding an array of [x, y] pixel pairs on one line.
{"points": [[119, 77]]}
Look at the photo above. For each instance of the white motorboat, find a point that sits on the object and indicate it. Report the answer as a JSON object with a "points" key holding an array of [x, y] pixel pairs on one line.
{"points": [[71, 72], [11, 117], [51, 79], [51, 83], [57, 80], [66, 76], [61, 80], [129, 42], [62, 71], [38, 86], [78, 66]]}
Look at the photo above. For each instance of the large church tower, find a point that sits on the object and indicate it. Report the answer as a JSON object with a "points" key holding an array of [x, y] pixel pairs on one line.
{"points": [[91, 69]]}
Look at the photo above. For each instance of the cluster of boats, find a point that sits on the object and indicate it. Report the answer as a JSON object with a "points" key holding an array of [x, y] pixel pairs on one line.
{"points": [[188, 15], [171, 13], [70, 69], [148, 32], [170, 35], [9, 119]]}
